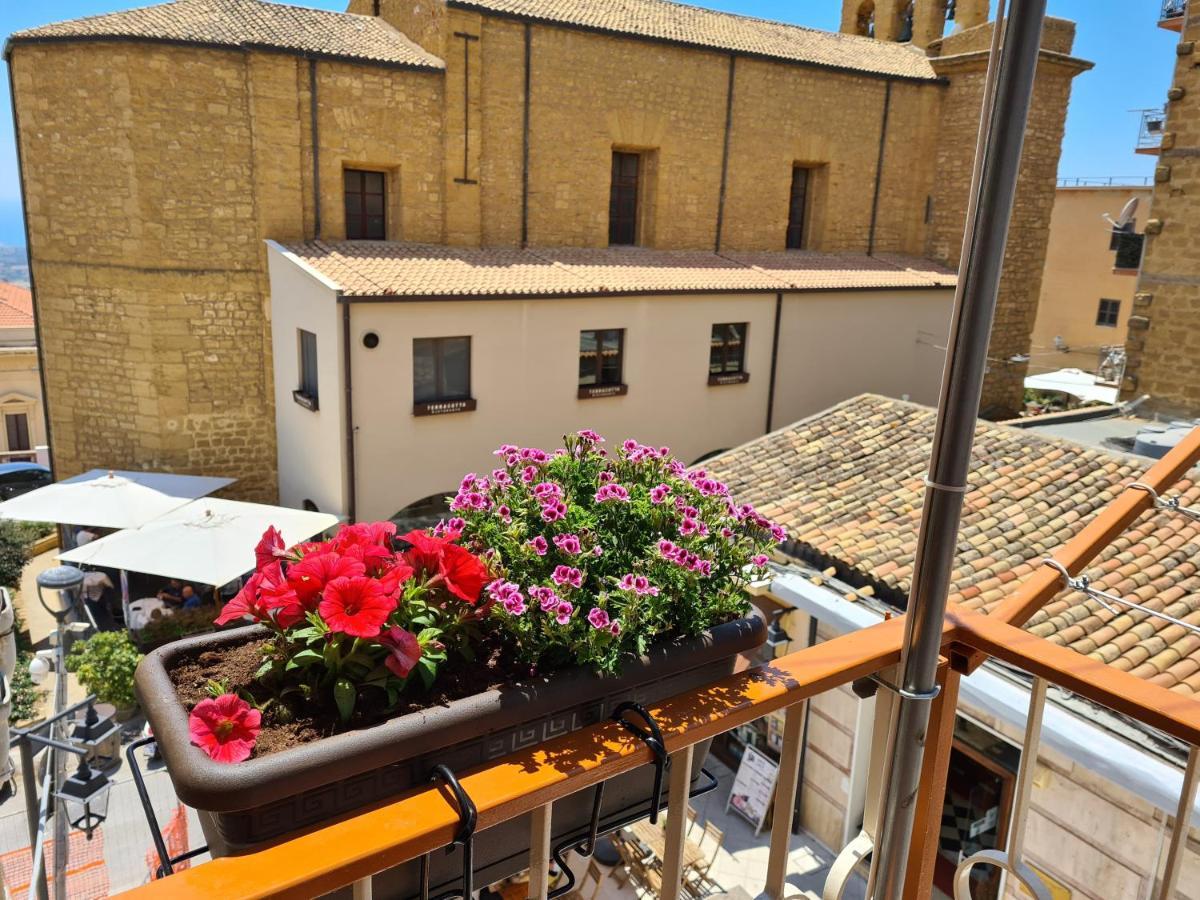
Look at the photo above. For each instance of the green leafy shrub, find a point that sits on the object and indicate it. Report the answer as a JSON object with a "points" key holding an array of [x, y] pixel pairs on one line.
{"points": [[25, 695], [162, 629], [14, 553], [105, 664]]}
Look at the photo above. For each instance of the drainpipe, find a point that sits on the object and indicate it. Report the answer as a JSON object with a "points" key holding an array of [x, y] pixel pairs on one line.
{"points": [[1007, 94], [348, 400]]}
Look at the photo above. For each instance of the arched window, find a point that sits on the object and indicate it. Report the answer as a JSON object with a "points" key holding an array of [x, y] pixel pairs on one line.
{"points": [[865, 24], [905, 32], [424, 513]]}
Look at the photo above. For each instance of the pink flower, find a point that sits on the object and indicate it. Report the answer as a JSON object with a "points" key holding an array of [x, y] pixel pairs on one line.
{"points": [[563, 613], [225, 727], [659, 494], [614, 627], [598, 618], [528, 474], [612, 492], [554, 510], [539, 545], [504, 513], [568, 543], [760, 560], [404, 650], [588, 435], [688, 526], [269, 549], [547, 490], [567, 575], [546, 598]]}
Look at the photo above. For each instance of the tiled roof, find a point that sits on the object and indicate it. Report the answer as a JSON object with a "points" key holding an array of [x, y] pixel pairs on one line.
{"points": [[848, 484], [248, 24], [16, 306], [693, 25], [376, 268]]}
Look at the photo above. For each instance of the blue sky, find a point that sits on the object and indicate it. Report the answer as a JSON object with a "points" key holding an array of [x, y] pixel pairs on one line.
{"points": [[1133, 58]]}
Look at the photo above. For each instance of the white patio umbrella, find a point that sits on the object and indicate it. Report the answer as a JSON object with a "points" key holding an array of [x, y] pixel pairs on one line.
{"points": [[1075, 382], [104, 499], [208, 541]]}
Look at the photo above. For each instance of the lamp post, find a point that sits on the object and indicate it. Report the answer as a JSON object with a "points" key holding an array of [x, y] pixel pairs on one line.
{"points": [[56, 589], [84, 797]]}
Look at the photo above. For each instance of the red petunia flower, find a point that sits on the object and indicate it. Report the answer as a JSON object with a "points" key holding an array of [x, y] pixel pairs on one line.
{"points": [[404, 650], [393, 578], [368, 542], [246, 603], [269, 549], [278, 598], [464, 573], [225, 727], [357, 606], [309, 576], [425, 552]]}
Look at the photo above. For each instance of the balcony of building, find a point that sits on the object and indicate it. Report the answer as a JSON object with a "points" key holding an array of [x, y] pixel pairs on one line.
{"points": [[1172, 14], [1151, 126], [661, 860]]}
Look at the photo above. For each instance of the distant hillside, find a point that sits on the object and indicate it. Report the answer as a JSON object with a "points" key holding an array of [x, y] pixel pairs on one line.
{"points": [[14, 266]]}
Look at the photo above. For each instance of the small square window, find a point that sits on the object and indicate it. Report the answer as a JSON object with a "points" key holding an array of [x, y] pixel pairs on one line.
{"points": [[727, 354], [366, 205], [1109, 313], [306, 394], [442, 376], [602, 362]]}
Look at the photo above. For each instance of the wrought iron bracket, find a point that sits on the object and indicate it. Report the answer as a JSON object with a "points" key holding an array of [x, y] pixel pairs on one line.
{"points": [[652, 737], [468, 818], [166, 862]]}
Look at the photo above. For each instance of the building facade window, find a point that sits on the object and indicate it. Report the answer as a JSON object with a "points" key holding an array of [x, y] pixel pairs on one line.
{"points": [[306, 395], [602, 363], [366, 205], [623, 198], [16, 429], [442, 376], [1108, 313], [797, 208], [727, 354]]}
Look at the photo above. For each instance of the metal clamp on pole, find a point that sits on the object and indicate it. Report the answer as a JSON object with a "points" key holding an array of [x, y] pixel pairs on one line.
{"points": [[927, 696], [652, 737], [166, 862], [1171, 504], [468, 817]]}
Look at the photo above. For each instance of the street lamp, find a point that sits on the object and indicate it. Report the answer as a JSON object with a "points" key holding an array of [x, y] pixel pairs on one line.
{"points": [[85, 798], [94, 732], [62, 580]]}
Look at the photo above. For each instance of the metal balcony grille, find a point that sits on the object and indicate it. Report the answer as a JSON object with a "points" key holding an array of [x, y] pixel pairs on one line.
{"points": [[1172, 9], [1150, 129]]}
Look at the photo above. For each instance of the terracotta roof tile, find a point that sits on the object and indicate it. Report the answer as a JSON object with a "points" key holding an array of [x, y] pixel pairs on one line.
{"points": [[696, 26], [382, 268], [248, 24], [16, 306], [848, 484]]}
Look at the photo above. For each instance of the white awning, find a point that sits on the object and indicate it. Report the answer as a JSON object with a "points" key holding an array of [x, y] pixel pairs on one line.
{"points": [[209, 541], [1075, 382], [107, 499]]}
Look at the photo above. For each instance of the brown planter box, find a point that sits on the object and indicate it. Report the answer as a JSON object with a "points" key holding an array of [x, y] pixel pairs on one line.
{"points": [[250, 805]]}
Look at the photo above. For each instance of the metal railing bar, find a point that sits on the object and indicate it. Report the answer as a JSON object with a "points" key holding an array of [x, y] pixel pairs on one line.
{"points": [[1183, 823], [785, 801], [1176, 714], [677, 822]]}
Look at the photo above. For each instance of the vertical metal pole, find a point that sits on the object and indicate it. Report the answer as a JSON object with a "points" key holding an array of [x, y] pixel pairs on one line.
{"points": [[677, 807], [998, 157], [1183, 822], [29, 786], [785, 801], [58, 763]]}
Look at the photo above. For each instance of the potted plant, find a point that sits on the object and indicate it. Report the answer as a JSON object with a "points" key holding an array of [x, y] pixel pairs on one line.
{"points": [[105, 664], [566, 583]]}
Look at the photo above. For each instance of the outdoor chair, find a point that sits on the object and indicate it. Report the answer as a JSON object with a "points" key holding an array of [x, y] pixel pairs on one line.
{"points": [[589, 885], [695, 877]]}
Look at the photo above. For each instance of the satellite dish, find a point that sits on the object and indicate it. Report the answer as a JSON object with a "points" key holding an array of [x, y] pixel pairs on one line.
{"points": [[1125, 219]]}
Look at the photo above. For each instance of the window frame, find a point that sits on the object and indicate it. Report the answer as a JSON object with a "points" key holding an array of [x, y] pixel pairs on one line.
{"points": [[796, 236], [363, 217], [725, 376], [599, 388], [307, 394], [440, 406], [1108, 308], [633, 223], [16, 415]]}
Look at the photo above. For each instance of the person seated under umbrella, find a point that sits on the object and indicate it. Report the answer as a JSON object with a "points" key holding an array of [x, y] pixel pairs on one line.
{"points": [[171, 593]]}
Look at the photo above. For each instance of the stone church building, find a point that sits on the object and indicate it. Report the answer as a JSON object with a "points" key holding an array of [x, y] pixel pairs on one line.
{"points": [[161, 148]]}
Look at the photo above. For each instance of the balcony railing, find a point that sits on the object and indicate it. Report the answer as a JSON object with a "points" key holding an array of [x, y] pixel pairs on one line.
{"points": [[422, 821], [1150, 130], [1172, 14]]}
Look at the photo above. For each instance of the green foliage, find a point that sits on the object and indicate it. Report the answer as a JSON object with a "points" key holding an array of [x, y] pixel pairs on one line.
{"points": [[31, 532], [164, 628], [25, 695], [602, 553], [14, 553], [105, 664]]}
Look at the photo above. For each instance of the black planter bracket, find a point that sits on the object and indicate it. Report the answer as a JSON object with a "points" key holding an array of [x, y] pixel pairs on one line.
{"points": [[468, 817], [652, 737], [166, 862]]}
